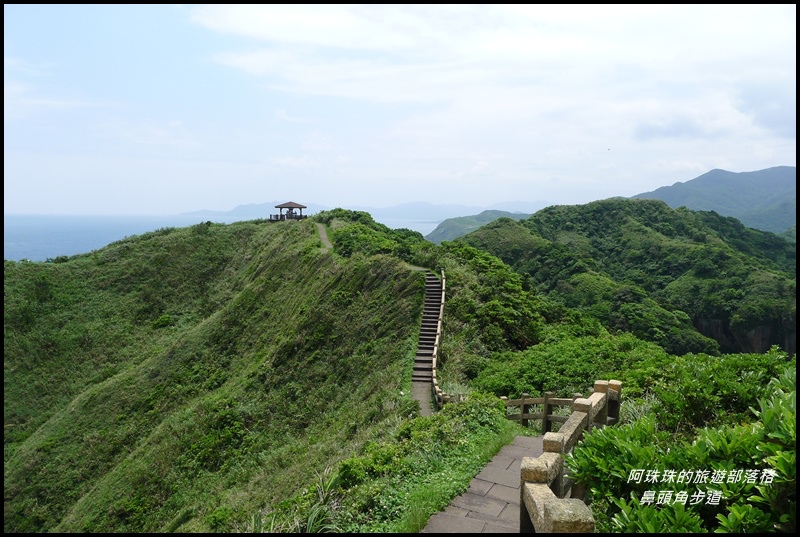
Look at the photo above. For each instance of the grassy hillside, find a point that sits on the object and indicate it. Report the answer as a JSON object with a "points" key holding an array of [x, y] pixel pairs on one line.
{"points": [[166, 374], [676, 277], [242, 378]]}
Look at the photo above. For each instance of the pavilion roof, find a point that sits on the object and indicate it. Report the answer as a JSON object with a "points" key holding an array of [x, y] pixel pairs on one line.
{"points": [[290, 205]]}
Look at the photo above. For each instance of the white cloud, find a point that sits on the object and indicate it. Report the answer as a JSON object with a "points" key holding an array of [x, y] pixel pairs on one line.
{"points": [[283, 115], [22, 99], [171, 133], [379, 105], [303, 161]]}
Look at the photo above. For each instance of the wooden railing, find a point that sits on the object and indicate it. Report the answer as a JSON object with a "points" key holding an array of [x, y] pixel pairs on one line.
{"points": [[284, 217], [520, 409], [548, 501], [439, 397]]}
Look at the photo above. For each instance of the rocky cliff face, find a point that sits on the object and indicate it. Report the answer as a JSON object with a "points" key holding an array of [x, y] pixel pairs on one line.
{"points": [[758, 340], [790, 330]]}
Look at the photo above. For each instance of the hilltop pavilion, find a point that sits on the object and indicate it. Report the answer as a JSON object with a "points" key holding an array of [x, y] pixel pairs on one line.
{"points": [[291, 214]]}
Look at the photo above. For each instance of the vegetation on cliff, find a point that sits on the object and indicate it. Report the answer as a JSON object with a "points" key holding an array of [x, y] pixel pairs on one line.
{"points": [[241, 378]]}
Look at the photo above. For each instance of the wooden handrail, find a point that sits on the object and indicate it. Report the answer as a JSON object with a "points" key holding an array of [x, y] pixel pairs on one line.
{"points": [[438, 395]]}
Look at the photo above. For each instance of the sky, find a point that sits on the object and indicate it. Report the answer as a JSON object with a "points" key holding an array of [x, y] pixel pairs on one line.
{"points": [[165, 109]]}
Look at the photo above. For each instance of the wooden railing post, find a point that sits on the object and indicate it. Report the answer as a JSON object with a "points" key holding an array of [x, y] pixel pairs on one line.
{"points": [[524, 409], [547, 410]]}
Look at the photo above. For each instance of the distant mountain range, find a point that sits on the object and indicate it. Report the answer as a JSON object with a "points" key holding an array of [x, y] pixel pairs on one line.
{"points": [[408, 211], [764, 199]]}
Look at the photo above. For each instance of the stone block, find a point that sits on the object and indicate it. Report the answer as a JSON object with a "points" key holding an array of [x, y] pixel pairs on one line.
{"points": [[542, 469], [566, 516], [553, 442]]}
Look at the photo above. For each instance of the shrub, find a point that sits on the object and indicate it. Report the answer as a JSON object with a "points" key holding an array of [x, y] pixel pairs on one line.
{"points": [[738, 478]]}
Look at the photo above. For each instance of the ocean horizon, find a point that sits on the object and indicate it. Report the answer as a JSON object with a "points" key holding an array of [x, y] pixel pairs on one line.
{"points": [[44, 237]]}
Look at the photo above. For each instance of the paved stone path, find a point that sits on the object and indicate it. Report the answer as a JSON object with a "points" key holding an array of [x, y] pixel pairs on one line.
{"points": [[423, 392], [491, 504]]}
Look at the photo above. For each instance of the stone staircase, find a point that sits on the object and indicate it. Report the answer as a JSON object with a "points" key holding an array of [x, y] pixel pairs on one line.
{"points": [[423, 362], [422, 375]]}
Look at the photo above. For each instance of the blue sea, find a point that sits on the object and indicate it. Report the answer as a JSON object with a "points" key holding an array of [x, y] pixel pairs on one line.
{"points": [[39, 238]]}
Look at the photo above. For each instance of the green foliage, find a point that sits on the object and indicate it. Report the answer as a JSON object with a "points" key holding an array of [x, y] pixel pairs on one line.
{"points": [[163, 321], [205, 379], [429, 459], [453, 228], [219, 518], [750, 468], [568, 365], [673, 518], [744, 519], [696, 390], [355, 232], [778, 414], [270, 345], [679, 278], [493, 300]]}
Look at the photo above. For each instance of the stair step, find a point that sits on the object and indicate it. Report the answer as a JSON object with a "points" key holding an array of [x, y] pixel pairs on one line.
{"points": [[429, 328]]}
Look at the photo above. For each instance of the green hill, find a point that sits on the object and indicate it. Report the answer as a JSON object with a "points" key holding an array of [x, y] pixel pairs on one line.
{"points": [[216, 350], [637, 265], [452, 228], [763, 199], [242, 377]]}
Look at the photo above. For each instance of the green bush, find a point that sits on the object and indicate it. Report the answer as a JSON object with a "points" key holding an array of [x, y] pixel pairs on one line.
{"points": [[734, 478], [163, 321]]}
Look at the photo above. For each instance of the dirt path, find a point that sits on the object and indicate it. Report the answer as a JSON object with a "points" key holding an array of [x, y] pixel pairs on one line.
{"points": [[323, 236]]}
